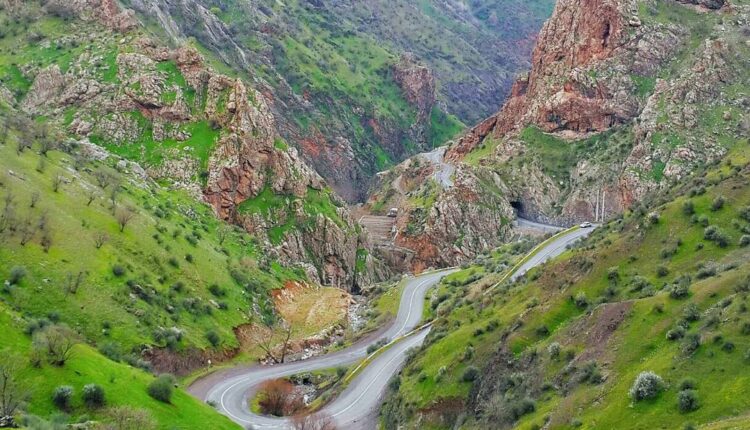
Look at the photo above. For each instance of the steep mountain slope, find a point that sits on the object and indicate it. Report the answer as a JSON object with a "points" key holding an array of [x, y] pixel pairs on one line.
{"points": [[624, 99], [335, 69], [183, 122], [663, 289]]}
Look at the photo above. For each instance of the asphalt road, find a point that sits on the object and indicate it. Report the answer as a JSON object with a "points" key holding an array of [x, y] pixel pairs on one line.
{"points": [[357, 407], [551, 250], [358, 404]]}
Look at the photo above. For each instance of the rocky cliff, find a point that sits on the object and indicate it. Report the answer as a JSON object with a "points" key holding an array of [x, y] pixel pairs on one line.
{"points": [[343, 93], [623, 99], [203, 131]]}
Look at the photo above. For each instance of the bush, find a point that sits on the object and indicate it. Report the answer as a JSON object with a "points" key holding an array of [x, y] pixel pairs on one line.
{"points": [[714, 234], [554, 349], [688, 208], [216, 290], [213, 338], [718, 203], [676, 333], [687, 401], [691, 343], [118, 270], [688, 384], [646, 386], [161, 388], [470, 374], [662, 271], [691, 312], [61, 396], [679, 291], [581, 300], [93, 395], [17, 273], [745, 240]]}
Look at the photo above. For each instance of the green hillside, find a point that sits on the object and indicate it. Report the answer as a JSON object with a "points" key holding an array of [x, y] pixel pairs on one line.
{"points": [[663, 288]]}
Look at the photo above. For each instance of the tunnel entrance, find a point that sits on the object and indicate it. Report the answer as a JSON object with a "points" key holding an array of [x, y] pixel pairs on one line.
{"points": [[517, 206]]}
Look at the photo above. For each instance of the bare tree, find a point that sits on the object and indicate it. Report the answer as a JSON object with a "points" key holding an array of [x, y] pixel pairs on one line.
{"points": [[222, 233], [91, 196], [46, 241], [26, 232], [4, 132], [128, 418], [57, 181], [113, 192], [279, 398], [73, 282], [124, 216], [103, 179], [12, 395], [56, 342], [319, 421], [268, 337], [34, 199], [41, 165], [8, 216], [100, 238], [24, 143]]}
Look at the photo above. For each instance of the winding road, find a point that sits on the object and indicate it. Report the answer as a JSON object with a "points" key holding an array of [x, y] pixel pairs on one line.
{"points": [[357, 407]]}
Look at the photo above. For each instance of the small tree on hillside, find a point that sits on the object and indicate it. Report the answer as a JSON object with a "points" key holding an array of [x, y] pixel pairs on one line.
{"points": [[12, 396], [123, 217], [319, 421], [278, 398], [57, 182], [56, 342], [161, 388], [127, 418]]}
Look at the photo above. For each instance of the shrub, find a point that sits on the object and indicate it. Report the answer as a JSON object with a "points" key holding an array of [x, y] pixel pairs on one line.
{"points": [[646, 386], [728, 346], [470, 374], [662, 271], [676, 333], [687, 401], [688, 384], [691, 343], [61, 396], [217, 291], [118, 270], [581, 300], [745, 240], [93, 395], [718, 203], [688, 208], [714, 234], [554, 349], [691, 312], [17, 273], [679, 291], [213, 338], [161, 388]]}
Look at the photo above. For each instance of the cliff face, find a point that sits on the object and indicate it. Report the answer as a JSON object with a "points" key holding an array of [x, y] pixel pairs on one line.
{"points": [[343, 93], [601, 66], [202, 131], [622, 100]]}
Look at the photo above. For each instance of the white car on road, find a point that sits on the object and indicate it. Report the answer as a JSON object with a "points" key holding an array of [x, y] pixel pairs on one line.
{"points": [[586, 225]]}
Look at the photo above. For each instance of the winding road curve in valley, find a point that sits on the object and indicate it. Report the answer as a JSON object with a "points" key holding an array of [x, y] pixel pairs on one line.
{"points": [[357, 406]]}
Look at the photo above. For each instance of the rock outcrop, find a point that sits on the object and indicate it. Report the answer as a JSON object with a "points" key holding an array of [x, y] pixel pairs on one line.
{"points": [[617, 105], [213, 135]]}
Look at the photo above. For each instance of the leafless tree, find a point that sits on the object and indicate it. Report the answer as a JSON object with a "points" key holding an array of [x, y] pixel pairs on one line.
{"points": [[26, 231], [103, 179], [90, 197], [278, 398], [8, 216], [267, 338], [113, 192], [41, 165], [56, 342], [73, 282], [4, 132], [46, 241], [319, 421], [57, 181], [100, 238], [23, 144], [128, 418], [12, 395], [34, 199], [222, 233], [43, 222], [124, 216]]}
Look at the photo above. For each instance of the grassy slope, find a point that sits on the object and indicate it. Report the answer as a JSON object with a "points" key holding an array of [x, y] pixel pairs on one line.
{"points": [[123, 385], [635, 249]]}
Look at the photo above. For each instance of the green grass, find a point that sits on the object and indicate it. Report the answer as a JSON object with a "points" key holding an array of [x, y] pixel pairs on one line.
{"points": [[634, 248], [444, 127]]}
